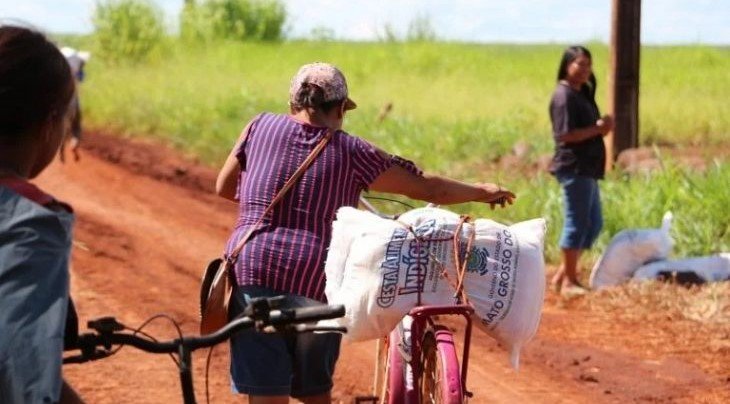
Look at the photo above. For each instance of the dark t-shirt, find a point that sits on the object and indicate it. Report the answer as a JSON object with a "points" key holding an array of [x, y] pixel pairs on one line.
{"points": [[570, 110]]}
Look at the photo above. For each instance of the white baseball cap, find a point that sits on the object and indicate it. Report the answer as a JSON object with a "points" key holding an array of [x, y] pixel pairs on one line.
{"points": [[325, 76]]}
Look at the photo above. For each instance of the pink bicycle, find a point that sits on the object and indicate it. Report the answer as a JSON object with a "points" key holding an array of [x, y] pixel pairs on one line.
{"points": [[418, 362]]}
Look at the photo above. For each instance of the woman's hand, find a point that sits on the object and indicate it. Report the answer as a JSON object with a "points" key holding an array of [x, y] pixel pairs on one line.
{"points": [[605, 124], [496, 195]]}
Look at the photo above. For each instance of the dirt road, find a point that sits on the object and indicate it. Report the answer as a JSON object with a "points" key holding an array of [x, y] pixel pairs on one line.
{"points": [[147, 224]]}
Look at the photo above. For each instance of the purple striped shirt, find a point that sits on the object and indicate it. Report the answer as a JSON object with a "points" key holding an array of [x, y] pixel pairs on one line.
{"points": [[288, 251]]}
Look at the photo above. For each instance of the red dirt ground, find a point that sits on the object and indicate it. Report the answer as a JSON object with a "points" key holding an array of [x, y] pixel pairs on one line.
{"points": [[147, 223]]}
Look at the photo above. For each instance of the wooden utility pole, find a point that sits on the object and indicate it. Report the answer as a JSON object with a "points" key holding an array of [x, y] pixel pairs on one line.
{"points": [[624, 76]]}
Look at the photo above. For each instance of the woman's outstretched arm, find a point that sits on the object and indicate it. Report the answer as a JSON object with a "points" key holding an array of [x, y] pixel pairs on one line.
{"points": [[438, 189]]}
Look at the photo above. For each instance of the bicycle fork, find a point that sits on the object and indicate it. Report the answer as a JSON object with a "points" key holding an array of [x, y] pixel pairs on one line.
{"points": [[186, 375]]}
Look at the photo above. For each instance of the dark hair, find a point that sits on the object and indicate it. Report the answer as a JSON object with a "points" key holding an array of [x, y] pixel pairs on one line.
{"points": [[35, 81], [570, 54], [312, 96]]}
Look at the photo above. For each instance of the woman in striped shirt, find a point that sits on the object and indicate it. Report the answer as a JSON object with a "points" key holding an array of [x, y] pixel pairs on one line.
{"points": [[286, 254]]}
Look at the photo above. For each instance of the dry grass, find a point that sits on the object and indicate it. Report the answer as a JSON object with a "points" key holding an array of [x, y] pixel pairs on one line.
{"points": [[667, 319], [708, 304]]}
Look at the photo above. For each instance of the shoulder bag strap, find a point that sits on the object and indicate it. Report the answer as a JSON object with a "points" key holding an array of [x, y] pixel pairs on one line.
{"points": [[289, 183]]}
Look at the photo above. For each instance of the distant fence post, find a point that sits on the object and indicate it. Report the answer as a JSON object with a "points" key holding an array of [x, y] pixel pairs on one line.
{"points": [[624, 76]]}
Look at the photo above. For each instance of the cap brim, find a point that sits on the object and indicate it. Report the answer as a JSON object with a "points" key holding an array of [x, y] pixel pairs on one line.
{"points": [[349, 104]]}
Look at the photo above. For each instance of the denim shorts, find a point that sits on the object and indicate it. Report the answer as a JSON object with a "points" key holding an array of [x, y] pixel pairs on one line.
{"points": [[296, 365], [582, 211]]}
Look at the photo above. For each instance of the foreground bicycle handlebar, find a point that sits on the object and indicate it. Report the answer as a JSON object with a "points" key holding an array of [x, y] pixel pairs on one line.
{"points": [[261, 313], [108, 331]]}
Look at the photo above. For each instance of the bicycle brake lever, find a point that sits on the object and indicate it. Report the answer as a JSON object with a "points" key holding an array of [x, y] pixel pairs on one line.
{"points": [[259, 308], [105, 325], [87, 356], [276, 301]]}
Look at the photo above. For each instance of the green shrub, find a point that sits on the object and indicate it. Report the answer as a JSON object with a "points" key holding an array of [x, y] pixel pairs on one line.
{"points": [[242, 20], [126, 30], [420, 29]]}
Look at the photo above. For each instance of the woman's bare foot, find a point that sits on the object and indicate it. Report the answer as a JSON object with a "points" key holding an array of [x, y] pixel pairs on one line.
{"points": [[556, 283], [572, 288]]}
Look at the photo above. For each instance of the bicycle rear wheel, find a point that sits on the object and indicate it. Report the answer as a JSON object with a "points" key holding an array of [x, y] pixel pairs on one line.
{"points": [[440, 380]]}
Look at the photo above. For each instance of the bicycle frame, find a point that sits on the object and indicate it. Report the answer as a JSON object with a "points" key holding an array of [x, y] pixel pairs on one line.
{"points": [[406, 372]]}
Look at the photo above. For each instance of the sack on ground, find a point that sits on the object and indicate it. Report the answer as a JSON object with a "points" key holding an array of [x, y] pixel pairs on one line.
{"points": [[630, 249], [373, 268], [712, 268]]}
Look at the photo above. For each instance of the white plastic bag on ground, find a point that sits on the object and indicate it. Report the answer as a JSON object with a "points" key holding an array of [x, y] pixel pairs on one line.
{"points": [[630, 249], [712, 268], [373, 267]]}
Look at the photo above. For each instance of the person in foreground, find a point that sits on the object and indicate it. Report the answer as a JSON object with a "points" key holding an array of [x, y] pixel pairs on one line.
{"points": [[286, 254], [35, 229], [579, 161]]}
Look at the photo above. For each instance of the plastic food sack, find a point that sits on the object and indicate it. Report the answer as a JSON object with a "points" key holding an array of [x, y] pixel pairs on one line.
{"points": [[629, 250], [372, 269], [374, 264], [712, 268]]}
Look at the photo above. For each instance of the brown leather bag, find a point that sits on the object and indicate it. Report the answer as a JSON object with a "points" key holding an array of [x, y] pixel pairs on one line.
{"points": [[218, 278], [215, 295]]}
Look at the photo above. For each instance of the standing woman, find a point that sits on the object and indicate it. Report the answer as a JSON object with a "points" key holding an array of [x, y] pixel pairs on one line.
{"points": [[579, 160], [286, 254]]}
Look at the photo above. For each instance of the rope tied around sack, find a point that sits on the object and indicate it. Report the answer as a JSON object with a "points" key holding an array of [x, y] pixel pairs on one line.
{"points": [[459, 261], [461, 264]]}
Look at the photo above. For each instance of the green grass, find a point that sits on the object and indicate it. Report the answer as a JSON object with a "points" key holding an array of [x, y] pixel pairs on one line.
{"points": [[457, 107], [683, 95], [470, 97]]}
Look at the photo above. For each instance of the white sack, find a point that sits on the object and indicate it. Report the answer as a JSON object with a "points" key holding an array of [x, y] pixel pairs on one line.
{"points": [[712, 268], [630, 249], [373, 262]]}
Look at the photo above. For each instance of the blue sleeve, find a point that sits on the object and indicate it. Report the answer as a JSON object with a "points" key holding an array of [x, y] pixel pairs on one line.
{"points": [[35, 245]]}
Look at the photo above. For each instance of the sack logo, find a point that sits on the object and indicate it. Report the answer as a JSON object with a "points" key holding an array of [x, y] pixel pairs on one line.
{"points": [[478, 261], [410, 254]]}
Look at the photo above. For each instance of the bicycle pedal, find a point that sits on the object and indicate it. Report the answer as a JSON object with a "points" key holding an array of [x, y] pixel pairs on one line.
{"points": [[367, 399]]}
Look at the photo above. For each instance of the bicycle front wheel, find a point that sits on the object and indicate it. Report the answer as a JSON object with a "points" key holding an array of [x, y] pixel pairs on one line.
{"points": [[440, 380]]}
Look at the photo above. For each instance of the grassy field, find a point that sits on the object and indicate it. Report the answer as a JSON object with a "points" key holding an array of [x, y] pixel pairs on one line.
{"points": [[485, 97], [456, 108]]}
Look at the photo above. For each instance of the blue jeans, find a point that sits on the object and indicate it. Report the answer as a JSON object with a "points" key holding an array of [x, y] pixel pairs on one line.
{"points": [[299, 365], [582, 211]]}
